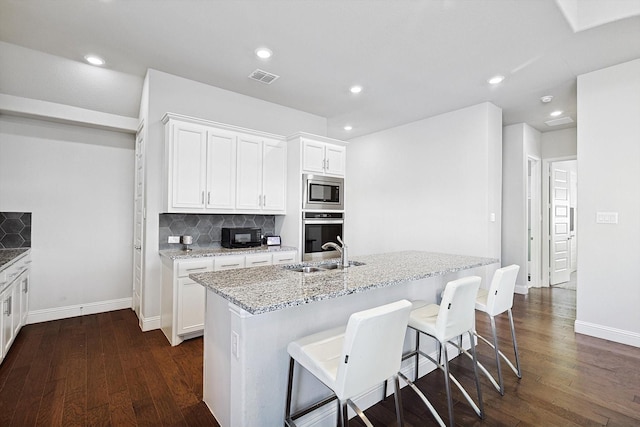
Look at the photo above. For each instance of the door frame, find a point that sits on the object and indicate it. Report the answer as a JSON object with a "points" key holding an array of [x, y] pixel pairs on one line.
{"points": [[546, 206], [533, 189]]}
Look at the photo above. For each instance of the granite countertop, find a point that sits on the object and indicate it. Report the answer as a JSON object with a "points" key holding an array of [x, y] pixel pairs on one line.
{"points": [[7, 256], [220, 251], [264, 289]]}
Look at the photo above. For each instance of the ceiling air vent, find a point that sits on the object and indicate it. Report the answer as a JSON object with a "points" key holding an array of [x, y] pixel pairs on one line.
{"points": [[263, 76], [560, 121]]}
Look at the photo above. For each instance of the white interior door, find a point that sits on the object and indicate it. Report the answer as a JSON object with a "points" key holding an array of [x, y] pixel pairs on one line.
{"points": [[560, 268], [138, 232]]}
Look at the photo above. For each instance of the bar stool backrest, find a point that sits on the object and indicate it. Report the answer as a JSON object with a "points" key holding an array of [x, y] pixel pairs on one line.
{"points": [[457, 309], [372, 350], [500, 297]]}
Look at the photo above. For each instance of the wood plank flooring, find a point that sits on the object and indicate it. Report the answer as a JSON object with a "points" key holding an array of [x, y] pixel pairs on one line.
{"points": [[102, 370]]}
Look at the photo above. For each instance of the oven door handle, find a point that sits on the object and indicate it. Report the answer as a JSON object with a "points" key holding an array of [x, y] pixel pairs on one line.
{"points": [[322, 221]]}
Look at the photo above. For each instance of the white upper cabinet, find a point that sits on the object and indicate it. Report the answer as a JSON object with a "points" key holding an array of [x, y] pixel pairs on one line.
{"points": [[187, 165], [323, 158], [274, 176], [261, 175], [216, 168], [221, 170]]}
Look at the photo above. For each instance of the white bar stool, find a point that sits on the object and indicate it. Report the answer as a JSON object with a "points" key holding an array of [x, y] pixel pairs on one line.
{"points": [[453, 317], [495, 301], [352, 360]]}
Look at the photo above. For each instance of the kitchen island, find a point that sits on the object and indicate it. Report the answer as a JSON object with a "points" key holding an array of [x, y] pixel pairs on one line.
{"points": [[252, 314]]}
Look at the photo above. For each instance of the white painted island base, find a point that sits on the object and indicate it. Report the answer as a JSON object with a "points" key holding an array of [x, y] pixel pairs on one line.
{"points": [[246, 361]]}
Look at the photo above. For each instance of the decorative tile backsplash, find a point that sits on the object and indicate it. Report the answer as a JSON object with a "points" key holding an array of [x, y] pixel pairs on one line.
{"points": [[15, 230], [205, 229]]}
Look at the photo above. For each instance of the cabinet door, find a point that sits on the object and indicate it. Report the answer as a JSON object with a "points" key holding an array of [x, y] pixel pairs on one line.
{"points": [[249, 174], [190, 306], [274, 176], [284, 257], [229, 262], [187, 157], [7, 319], [23, 289], [334, 160], [257, 260], [312, 156], [221, 170]]}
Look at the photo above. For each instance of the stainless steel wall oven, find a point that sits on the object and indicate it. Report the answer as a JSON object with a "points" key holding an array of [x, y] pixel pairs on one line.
{"points": [[319, 228]]}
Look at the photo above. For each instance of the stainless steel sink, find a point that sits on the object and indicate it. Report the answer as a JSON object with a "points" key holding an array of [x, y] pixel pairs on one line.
{"points": [[313, 268]]}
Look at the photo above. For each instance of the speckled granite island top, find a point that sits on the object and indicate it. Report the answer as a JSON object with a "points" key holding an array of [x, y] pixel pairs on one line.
{"points": [[7, 256], [264, 289], [220, 251]]}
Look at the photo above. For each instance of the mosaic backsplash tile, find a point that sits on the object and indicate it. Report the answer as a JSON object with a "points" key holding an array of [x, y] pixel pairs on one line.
{"points": [[15, 230], [206, 229]]}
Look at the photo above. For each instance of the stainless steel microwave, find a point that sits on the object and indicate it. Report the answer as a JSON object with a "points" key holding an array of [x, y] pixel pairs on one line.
{"points": [[322, 192]]}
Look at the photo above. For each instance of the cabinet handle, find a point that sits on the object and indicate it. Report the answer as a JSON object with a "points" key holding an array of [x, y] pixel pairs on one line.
{"points": [[286, 259], [230, 265], [202, 198], [208, 197], [6, 309], [327, 164], [257, 262], [25, 288], [324, 162], [9, 303], [264, 200], [196, 268]]}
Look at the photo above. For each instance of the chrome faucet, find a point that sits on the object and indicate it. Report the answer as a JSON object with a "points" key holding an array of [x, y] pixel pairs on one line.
{"points": [[344, 261]]}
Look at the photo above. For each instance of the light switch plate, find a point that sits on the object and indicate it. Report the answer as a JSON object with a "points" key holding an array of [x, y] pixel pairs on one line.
{"points": [[606, 217], [174, 239]]}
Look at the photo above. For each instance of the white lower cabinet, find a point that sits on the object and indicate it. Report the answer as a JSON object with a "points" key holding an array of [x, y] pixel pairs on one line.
{"points": [[183, 300], [14, 302]]}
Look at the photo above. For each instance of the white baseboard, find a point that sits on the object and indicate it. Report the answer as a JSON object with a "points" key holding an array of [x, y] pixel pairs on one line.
{"points": [[608, 333], [521, 289], [48, 314], [149, 323]]}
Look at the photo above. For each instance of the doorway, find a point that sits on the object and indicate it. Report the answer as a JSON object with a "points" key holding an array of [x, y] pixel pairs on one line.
{"points": [[560, 223]]}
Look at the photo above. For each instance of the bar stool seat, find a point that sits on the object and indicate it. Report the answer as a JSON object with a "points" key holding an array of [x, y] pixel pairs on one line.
{"points": [[353, 359]]}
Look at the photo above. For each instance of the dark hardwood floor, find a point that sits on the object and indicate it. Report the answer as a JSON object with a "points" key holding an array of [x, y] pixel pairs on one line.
{"points": [[102, 370]]}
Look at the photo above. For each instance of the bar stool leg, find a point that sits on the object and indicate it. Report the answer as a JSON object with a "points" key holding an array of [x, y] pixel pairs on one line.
{"points": [[415, 377], [495, 347], [515, 344], [447, 384], [287, 409], [475, 373], [398, 399]]}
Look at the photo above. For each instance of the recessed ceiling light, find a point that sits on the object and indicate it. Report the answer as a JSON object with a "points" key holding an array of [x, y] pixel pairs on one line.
{"points": [[495, 80], [355, 89], [546, 98], [556, 113], [94, 60], [348, 127], [263, 53]]}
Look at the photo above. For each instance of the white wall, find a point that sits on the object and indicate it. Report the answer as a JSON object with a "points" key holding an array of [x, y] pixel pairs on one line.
{"points": [[559, 143], [608, 158], [169, 93], [520, 141], [78, 183], [428, 185]]}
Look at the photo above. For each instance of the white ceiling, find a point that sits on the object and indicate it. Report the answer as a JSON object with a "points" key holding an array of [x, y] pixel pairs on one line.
{"points": [[415, 59]]}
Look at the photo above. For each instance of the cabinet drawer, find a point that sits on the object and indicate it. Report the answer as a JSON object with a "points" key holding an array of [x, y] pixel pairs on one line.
{"points": [[229, 262], [284, 258], [258, 260], [194, 266]]}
